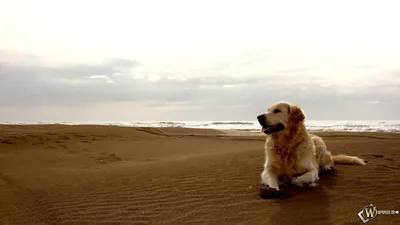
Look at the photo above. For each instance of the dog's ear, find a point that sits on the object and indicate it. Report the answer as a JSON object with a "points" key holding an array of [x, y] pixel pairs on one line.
{"points": [[296, 114]]}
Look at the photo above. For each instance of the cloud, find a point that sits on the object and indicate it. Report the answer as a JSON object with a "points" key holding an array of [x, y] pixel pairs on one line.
{"points": [[102, 77], [296, 70], [198, 97]]}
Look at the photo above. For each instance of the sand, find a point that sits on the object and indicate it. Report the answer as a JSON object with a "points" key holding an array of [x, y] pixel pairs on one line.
{"points": [[56, 174]]}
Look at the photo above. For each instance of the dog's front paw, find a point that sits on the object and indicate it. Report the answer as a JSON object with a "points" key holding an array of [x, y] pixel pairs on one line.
{"points": [[269, 181], [266, 183], [297, 181]]}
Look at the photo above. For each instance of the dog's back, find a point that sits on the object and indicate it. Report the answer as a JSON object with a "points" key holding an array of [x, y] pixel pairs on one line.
{"points": [[322, 154]]}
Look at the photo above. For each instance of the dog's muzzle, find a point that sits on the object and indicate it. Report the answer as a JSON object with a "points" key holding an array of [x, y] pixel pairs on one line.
{"points": [[268, 129], [262, 119]]}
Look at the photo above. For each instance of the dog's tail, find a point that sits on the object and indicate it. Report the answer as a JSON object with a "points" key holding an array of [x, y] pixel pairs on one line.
{"points": [[346, 159]]}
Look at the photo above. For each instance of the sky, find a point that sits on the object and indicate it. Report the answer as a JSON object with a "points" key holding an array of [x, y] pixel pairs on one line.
{"points": [[198, 60]]}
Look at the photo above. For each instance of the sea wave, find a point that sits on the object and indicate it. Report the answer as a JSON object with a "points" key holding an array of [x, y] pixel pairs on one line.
{"points": [[311, 125], [232, 123]]}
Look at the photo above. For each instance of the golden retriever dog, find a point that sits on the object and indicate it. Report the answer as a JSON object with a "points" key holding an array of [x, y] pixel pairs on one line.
{"points": [[291, 153]]}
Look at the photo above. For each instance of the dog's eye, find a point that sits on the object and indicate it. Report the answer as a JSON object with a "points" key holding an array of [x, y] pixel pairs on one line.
{"points": [[277, 111]]}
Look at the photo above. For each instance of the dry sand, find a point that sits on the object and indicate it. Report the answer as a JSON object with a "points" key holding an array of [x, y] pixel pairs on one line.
{"points": [[112, 175]]}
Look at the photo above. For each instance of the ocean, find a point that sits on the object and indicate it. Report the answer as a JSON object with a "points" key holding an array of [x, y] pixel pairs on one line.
{"points": [[253, 126]]}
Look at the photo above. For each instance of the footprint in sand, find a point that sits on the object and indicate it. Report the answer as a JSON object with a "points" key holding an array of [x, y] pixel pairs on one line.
{"points": [[8, 142], [378, 156]]}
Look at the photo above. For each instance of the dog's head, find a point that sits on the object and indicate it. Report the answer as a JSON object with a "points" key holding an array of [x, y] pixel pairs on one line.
{"points": [[280, 116]]}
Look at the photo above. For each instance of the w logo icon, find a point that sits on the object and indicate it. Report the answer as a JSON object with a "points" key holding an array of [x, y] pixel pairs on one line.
{"points": [[368, 213]]}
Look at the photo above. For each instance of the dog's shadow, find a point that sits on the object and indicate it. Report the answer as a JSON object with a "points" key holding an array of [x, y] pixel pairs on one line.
{"points": [[305, 204]]}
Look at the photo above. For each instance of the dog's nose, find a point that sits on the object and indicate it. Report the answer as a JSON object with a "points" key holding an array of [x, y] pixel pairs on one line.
{"points": [[261, 117]]}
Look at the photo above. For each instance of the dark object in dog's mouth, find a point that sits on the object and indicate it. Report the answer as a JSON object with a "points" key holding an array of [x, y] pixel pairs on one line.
{"points": [[272, 128], [270, 193]]}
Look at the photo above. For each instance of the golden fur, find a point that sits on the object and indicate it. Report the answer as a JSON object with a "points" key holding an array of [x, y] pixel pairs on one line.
{"points": [[293, 154]]}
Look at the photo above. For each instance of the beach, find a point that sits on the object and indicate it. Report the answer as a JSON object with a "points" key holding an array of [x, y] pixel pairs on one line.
{"points": [[92, 174]]}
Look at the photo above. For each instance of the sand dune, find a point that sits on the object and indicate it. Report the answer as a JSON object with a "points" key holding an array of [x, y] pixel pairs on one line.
{"points": [[55, 174]]}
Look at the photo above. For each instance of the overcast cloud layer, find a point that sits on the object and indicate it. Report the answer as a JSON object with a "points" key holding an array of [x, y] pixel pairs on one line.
{"points": [[99, 91]]}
